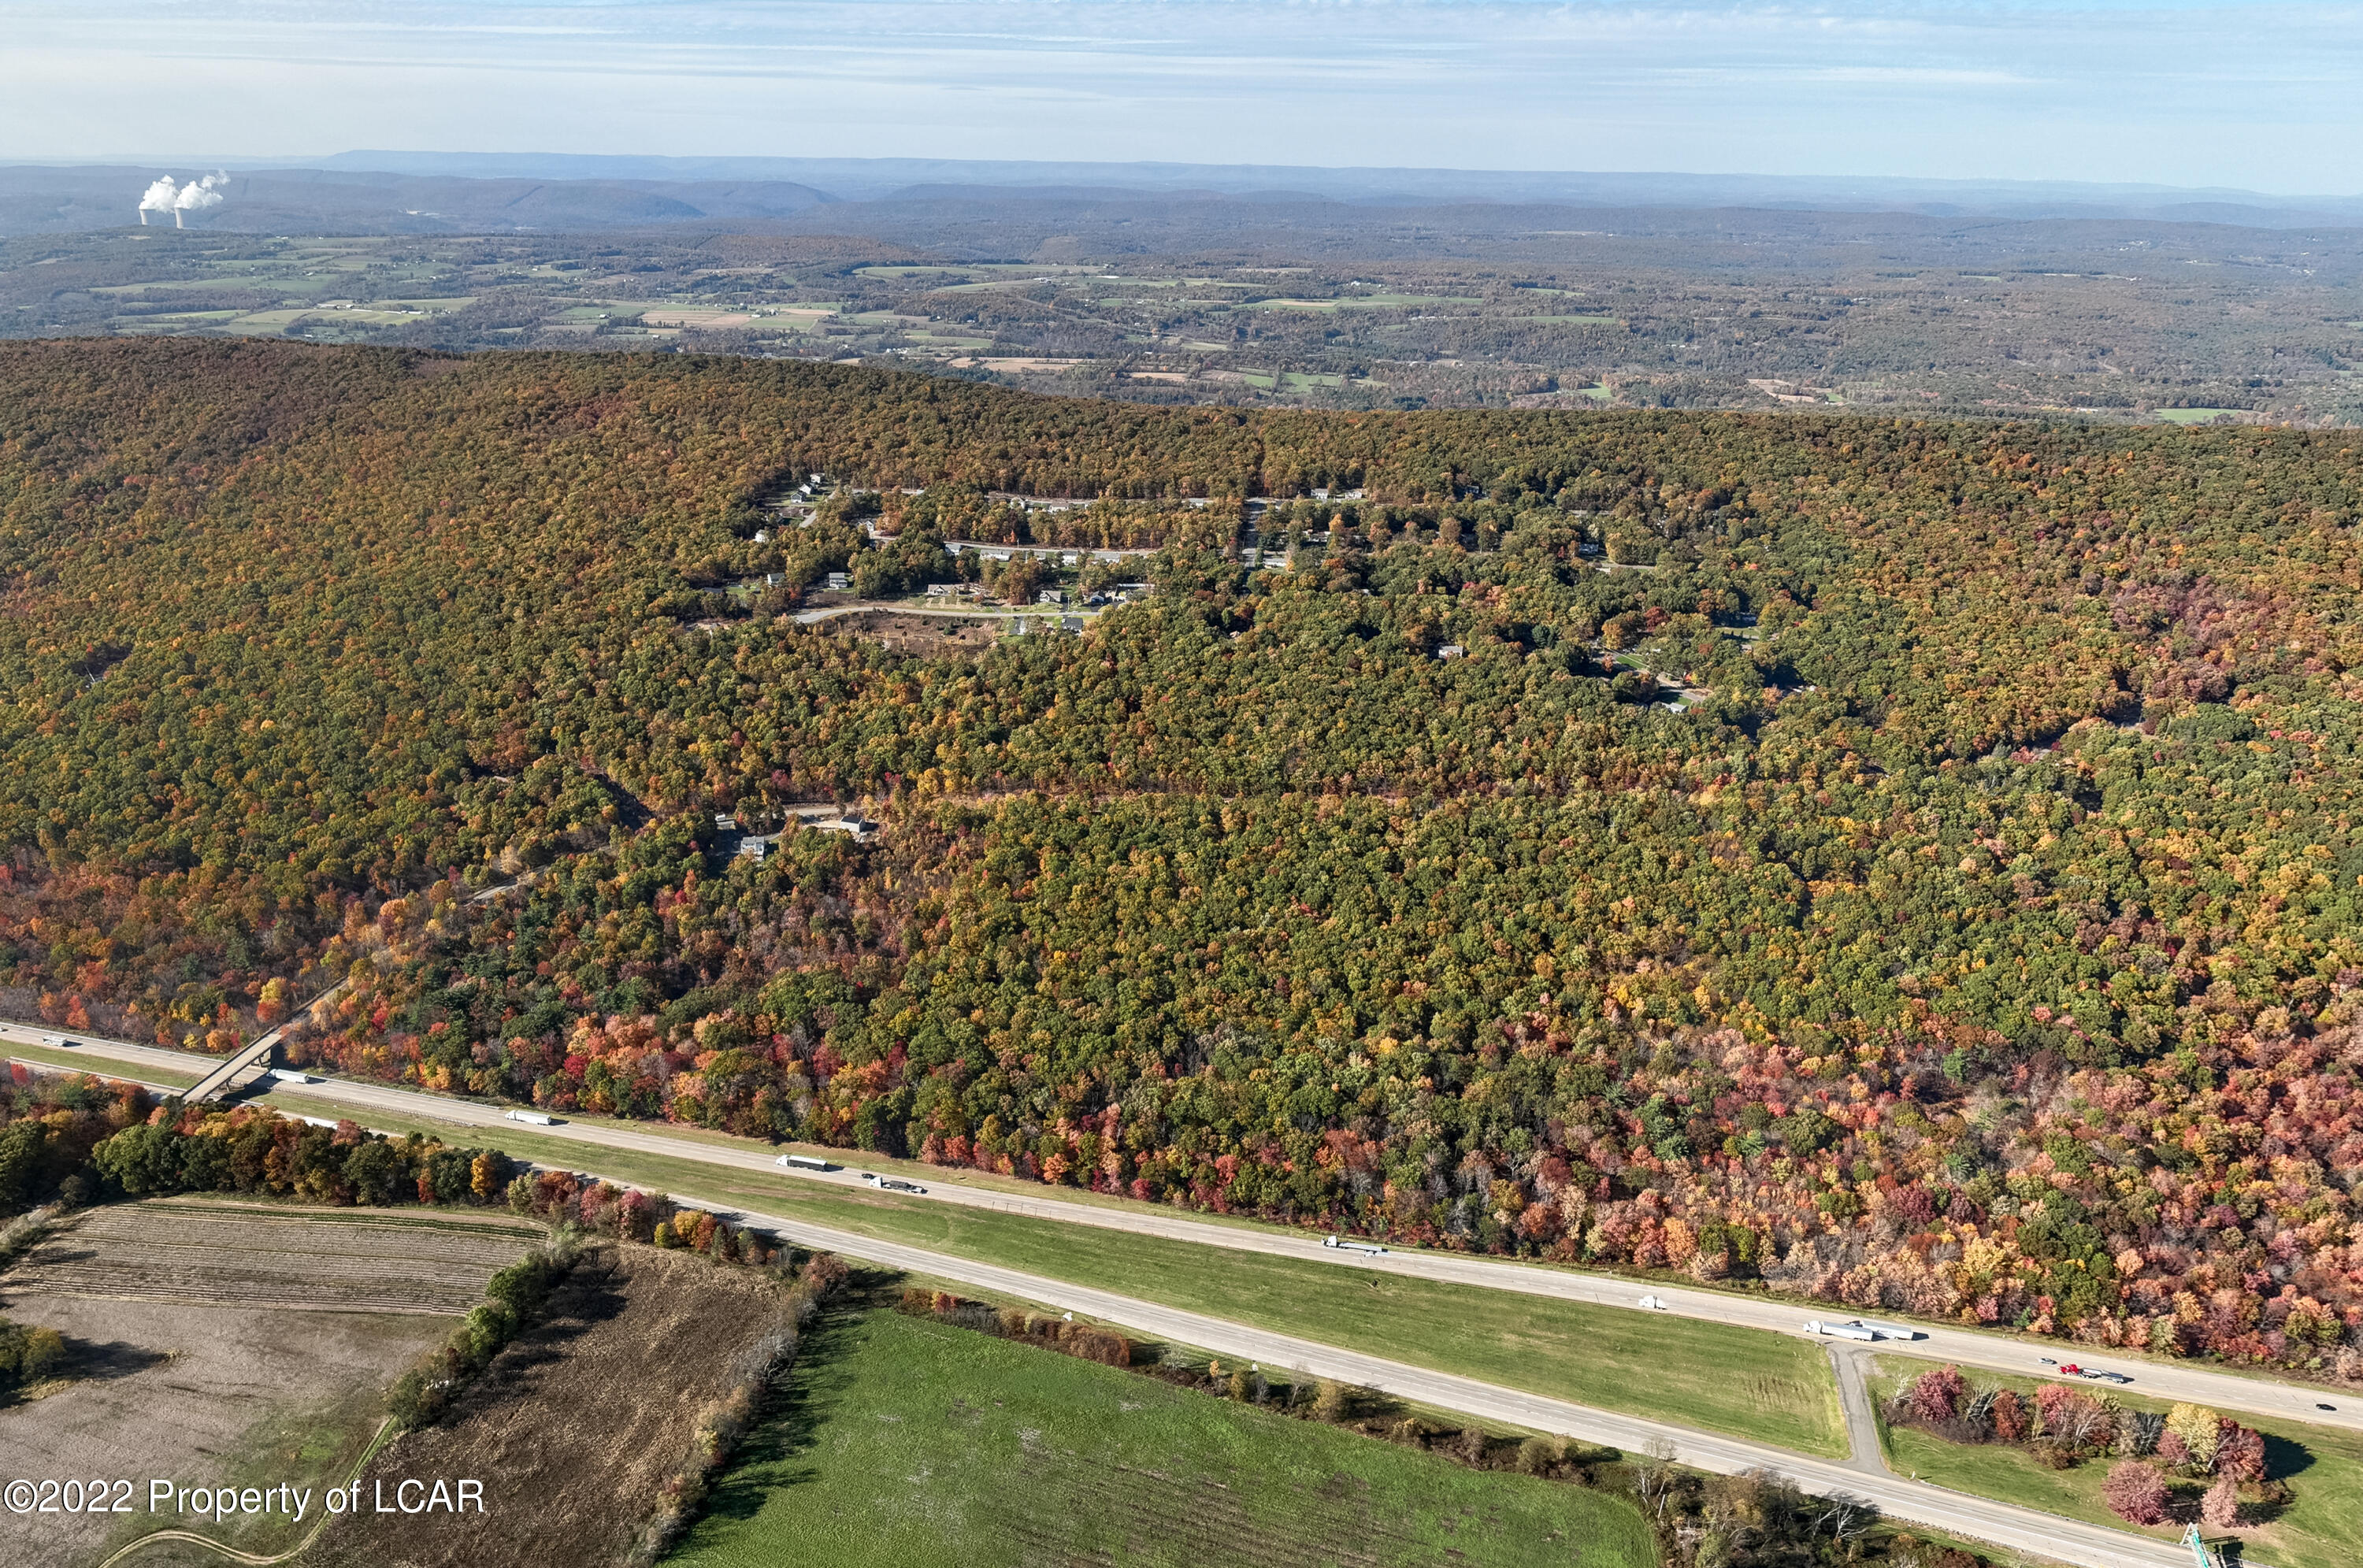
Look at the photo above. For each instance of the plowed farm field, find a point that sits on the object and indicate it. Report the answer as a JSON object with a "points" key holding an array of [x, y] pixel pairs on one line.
{"points": [[202, 1254], [227, 1343]]}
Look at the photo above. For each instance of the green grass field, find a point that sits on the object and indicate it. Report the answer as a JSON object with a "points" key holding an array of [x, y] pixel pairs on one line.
{"points": [[1762, 1385], [907, 1443], [2323, 1528]]}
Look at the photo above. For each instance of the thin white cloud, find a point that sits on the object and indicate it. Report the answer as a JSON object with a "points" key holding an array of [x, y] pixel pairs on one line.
{"points": [[2192, 92]]}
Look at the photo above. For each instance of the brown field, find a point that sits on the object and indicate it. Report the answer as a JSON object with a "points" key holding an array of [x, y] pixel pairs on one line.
{"points": [[576, 1425], [695, 318], [197, 1253], [222, 1344], [925, 636], [1026, 362]]}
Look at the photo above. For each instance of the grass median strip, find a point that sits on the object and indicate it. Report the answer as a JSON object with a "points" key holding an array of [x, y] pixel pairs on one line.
{"points": [[1747, 1382], [91, 1062]]}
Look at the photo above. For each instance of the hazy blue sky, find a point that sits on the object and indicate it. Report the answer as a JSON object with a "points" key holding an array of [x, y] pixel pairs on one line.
{"points": [[2261, 96]]}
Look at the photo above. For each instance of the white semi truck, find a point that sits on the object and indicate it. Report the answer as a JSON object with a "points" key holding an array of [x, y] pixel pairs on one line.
{"points": [[1842, 1330]]}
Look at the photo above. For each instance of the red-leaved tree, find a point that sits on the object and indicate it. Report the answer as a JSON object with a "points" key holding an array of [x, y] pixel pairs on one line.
{"points": [[1937, 1396], [2240, 1453], [2135, 1492]]}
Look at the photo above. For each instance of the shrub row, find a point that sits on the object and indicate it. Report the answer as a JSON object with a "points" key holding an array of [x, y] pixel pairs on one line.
{"points": [[755, 1373], [513, 1299]]}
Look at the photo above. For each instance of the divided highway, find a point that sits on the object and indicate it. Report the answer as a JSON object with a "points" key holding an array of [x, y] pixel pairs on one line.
{"points": [[1964, 1347], [2002, 1524], [1863, 1475]]}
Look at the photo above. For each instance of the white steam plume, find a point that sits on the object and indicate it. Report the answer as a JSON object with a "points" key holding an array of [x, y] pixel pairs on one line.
{"points": [[197, 196], [165, 196], [158, 199]]}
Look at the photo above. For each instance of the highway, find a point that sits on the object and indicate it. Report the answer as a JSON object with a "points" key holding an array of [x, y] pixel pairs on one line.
{"points": [[254, 1058], [1863, 1475], [2022, 1529], [1965, 1347]]}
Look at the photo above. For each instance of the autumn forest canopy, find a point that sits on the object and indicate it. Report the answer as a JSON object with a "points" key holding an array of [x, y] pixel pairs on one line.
{"points": [[1912, 863]]}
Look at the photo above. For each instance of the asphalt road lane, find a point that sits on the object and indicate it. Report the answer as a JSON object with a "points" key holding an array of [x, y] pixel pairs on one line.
{"points": [[2025, 1530], [1863, 1476], [1964, 1347]]}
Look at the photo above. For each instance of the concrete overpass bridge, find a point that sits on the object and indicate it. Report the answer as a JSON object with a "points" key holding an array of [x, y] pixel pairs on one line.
{"points": [[250, 1063]]}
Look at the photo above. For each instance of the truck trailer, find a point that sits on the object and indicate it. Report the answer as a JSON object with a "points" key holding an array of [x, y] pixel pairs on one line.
{"points": [[1841, 1330]]}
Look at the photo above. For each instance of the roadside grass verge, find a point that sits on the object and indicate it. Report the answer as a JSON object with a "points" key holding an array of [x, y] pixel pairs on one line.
{"points": [[1746, 1383], [910, 1442], [2321, 1527], [93, 1062]]}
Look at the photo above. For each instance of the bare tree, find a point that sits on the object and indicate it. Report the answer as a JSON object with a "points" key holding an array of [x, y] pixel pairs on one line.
{"points": [[1846, 1518], [1654, 1476]]}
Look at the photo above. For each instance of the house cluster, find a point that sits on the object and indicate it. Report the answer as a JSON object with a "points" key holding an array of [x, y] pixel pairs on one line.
{"points": [[856, 824], [1011, 552]]}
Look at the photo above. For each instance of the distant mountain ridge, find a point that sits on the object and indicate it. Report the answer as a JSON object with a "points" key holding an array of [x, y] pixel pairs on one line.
{"points": [[873, 179], [436, 192], [37, 199]]}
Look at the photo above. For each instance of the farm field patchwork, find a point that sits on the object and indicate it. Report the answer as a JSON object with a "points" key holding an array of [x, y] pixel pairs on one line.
{"points": [[576, 1424], [221, 1343], [911, 1442]]}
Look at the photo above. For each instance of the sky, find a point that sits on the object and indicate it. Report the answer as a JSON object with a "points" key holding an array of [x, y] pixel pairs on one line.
{"points": [[2251, 95]]}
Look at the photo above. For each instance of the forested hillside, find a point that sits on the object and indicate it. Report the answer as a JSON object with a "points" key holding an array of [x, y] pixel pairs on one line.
{"points": [[1977, 933]]}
